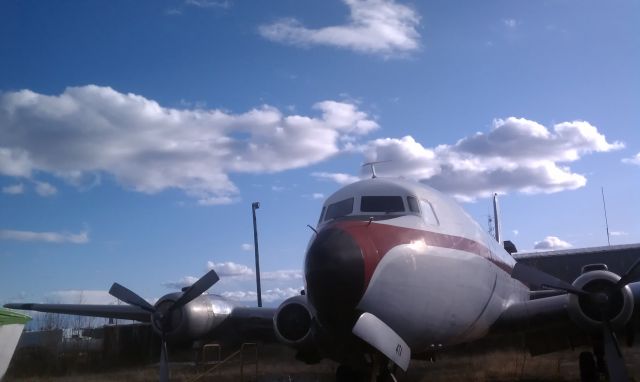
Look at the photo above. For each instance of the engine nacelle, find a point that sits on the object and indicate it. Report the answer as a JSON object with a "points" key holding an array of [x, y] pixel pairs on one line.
{"points": [[588, 314], [293, 322], [196, 319]]}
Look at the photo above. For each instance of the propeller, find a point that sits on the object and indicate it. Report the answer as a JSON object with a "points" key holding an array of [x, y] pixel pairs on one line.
{"points": [[162, 319], [601, 299]]}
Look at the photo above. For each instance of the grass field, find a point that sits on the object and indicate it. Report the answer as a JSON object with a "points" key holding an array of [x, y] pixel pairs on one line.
{"points": [[277, 364]]}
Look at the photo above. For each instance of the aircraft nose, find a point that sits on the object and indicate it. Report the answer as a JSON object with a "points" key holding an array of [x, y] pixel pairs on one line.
{"points": [[334, 271]]}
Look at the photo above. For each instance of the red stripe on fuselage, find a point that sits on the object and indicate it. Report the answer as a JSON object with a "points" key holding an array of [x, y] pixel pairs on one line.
{"points": [[376, 240]]}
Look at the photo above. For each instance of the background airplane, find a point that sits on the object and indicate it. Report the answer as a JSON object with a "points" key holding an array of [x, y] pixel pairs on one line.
{"points": [[397, 270]]}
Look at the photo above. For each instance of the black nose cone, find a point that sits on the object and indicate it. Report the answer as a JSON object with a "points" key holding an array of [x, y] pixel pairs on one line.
{"points": [[334, 270]]}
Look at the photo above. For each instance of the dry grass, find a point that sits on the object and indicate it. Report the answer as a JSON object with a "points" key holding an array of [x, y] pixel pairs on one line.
{"points": [[277, 364]]}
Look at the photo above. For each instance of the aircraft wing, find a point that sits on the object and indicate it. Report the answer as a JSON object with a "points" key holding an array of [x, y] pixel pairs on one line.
{"points": [[126, 312], [253, 323], [567, 264], [544, 323]]}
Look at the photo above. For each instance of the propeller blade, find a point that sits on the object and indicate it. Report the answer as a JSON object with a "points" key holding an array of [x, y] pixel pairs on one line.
{"points": [[628, 277], [535, 277], [198, 288], [126, 295], [164, 362], [613, 357]]}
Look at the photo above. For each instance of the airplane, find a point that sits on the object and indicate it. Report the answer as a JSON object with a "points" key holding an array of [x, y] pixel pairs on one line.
{"points": [[396, 270], [11, 325]]}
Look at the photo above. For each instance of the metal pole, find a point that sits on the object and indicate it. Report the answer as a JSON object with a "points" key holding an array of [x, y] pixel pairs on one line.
{"points": [[606, 221], [254, 207]]}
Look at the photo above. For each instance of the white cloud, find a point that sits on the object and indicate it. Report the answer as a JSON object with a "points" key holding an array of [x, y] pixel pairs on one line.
{"points": [[14, 162], [516, 155], [230, 269], [317, 195], [13, 189], [246, 247], [149, 148], [515, 232], [208, 3], [49, 237], [282, 275], [183, 282], [633, 160], [80, 297], [45, 189], [618, 233], [337, 177], [510, 23], [550, 243], [375, 26], [270, 295]]}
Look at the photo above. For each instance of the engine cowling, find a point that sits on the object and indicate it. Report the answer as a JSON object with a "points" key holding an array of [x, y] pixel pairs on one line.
{"points": [[588, 312], [293, 322], [196, 319]]}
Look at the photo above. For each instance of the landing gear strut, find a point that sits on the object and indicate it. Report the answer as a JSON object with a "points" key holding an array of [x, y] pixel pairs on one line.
{"points": [[588, 369], [593, 365]]}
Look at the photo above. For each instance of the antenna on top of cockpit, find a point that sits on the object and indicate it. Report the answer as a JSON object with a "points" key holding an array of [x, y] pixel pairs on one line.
{"points": [[373, 167]]}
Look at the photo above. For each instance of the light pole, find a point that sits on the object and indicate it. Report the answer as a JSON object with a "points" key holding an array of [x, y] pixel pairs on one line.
{"points": [[254, 207]]}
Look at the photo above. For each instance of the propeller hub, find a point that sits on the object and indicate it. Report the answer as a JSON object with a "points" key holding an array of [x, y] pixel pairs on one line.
{"points": [[165, 319]]}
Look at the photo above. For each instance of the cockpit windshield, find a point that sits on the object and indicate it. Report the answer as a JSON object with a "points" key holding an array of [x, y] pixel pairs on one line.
{"points": [[338, 209], [386, 204]]}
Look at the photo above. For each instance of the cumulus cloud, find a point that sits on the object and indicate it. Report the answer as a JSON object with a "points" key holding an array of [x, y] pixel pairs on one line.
{"points": [[149, 148], [13, 189], [337, 177], [208, 3], [48, 237], [550, 243], [80, 297], [633, 160], [45, 189], [516, 155], [246, 247], [183, 282], [510, 23], [375, 26], [230, 269], [270, 295], [282, 275]]}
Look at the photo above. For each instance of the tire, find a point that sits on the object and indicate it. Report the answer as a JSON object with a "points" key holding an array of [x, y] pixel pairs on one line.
{"points": [[588, 369]]}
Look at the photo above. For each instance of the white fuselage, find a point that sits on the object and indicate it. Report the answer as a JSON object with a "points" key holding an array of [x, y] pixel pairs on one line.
{"points": [[437, 282]]}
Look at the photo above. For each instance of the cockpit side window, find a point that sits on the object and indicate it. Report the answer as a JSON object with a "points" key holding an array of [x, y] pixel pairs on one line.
{"points": [[338, 209], [385, 204], [322, 214], [413, 204], [428, 214]]}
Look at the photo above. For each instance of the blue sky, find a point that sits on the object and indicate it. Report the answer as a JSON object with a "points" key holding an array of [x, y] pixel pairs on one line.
{"points": [[135, 135]]}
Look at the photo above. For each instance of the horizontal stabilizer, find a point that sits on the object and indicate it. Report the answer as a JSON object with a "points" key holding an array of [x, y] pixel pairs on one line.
{"points": [[125, 312], [379, 335]]}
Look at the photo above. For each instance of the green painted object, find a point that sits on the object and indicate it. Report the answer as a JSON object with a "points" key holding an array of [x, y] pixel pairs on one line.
{"points": [[10, 317]]}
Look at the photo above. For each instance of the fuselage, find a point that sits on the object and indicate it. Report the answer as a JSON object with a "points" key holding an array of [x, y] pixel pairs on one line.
{"points": [[412, 257]]}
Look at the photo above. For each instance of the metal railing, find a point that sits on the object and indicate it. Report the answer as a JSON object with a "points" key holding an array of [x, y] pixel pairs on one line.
{"points": [[240, 352]]}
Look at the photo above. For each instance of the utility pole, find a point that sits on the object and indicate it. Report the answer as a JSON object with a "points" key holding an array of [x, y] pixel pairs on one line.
{"points": [[254, 207], [606, 221]]}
